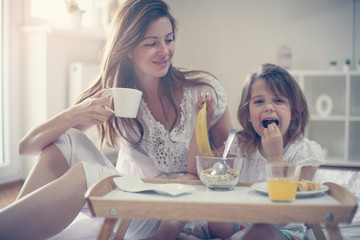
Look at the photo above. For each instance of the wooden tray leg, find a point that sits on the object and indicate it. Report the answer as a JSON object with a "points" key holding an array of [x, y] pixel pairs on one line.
{"points": [[333, 231], [120, 233], [318, 232], [107, 228]]}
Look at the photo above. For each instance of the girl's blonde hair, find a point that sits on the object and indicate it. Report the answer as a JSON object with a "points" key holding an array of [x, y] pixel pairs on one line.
{"points": [[280, 82], [128, 29]]}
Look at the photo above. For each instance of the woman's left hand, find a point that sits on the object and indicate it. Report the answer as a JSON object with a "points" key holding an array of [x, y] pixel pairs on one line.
{"points": [[209, 107]]}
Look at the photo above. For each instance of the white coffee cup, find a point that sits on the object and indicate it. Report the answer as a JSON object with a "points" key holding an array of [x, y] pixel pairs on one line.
{"points": [[126, 101]]}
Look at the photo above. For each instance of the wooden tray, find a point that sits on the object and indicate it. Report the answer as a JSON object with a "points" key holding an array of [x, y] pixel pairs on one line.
{"points": [[336, 206]]}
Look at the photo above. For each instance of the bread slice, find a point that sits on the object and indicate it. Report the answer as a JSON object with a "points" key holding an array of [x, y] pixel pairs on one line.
{"points": [[306, 185]]}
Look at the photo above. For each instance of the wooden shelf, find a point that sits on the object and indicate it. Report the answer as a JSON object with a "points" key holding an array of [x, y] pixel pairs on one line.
{"points": [[333, 102]]}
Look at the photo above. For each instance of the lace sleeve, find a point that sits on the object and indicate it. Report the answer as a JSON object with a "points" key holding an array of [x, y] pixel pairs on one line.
{"points": [[220, 100], [306, 153]]}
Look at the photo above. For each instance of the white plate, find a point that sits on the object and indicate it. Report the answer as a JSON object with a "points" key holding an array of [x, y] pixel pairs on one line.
{"points": [[262, 187], [135, 184]]}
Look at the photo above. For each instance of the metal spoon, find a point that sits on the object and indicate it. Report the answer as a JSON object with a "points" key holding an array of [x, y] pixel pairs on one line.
{"points": [[220, 168]]}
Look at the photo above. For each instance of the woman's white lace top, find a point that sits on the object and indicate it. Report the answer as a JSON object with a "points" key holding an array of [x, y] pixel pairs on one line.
{"points": [[302, 152], [164, 154]]}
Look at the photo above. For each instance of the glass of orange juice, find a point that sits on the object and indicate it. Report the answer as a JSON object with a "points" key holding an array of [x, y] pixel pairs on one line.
{"points": [[282, 181]]}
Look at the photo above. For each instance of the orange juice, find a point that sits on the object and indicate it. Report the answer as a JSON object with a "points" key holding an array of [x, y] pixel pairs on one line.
{"points": [[282, 189]]}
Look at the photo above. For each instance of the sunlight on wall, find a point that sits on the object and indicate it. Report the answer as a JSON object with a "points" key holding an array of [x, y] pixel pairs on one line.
{"points": [[55, 11]]}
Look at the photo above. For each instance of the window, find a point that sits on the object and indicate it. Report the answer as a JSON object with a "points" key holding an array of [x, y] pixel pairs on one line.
{"points": [[15, 16], [54, 12], [1, 88], [10, 167]]}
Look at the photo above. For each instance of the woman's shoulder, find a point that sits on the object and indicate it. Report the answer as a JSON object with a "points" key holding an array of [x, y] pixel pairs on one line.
{"points": [[205, 82], [200, 77]]}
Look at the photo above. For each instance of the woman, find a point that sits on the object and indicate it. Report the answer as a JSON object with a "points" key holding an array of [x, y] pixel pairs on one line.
{"points": [[157, 144]]}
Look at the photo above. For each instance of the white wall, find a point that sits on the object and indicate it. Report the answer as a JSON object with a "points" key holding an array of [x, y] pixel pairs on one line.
{"points": [[230, 38]]}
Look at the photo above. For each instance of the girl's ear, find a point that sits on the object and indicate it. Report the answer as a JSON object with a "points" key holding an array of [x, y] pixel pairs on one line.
{"points": [[248, 115], [129, 55]]}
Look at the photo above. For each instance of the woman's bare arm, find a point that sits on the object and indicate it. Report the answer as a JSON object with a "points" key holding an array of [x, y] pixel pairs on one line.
{"points": [[81, 116]]}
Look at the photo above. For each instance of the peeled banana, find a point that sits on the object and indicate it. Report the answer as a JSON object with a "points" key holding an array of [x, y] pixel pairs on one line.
{"points": [[201, 131]]}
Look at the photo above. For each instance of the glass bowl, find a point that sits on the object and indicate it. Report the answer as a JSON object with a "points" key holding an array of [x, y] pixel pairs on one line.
{"points": [[205, 163]]}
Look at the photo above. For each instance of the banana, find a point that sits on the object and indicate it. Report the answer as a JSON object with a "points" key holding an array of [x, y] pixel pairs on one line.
{"points": [[201, 131]]}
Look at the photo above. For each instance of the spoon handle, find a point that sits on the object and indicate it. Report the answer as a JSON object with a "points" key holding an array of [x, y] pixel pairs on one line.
{"points": [[229, 142]]}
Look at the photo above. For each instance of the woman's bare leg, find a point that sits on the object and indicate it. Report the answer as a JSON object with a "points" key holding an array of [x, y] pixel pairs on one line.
{"points": [[50, 166], [170, 229], [47, 210], [221, 230]]}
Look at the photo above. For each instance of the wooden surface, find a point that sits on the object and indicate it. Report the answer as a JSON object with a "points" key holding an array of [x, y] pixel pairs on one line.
{"points": [[185, 208], [338, 206]]}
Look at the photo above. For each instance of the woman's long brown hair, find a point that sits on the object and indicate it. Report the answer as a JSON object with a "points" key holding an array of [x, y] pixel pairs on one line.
{"points": [[127, 30]]}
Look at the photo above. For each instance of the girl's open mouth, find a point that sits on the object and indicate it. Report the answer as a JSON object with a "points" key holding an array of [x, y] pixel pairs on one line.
{"points": [[266, 122]]}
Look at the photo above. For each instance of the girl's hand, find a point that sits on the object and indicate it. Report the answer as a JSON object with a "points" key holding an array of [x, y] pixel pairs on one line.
{"points": [[91, 111], [272, 143], [209, 106]]}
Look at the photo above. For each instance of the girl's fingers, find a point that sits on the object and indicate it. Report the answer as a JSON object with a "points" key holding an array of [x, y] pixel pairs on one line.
{"points": [[270, 129], [277, 130], [266, 132]]}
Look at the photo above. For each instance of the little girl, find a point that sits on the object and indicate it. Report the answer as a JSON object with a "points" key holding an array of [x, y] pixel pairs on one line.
{"points": [[274, 114]]}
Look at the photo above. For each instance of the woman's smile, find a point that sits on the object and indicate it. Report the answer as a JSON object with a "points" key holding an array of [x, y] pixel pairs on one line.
{"points": [[161, 63]]}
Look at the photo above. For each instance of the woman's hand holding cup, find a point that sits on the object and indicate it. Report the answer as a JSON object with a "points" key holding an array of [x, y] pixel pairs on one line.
{"points": [[90, 112]]}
